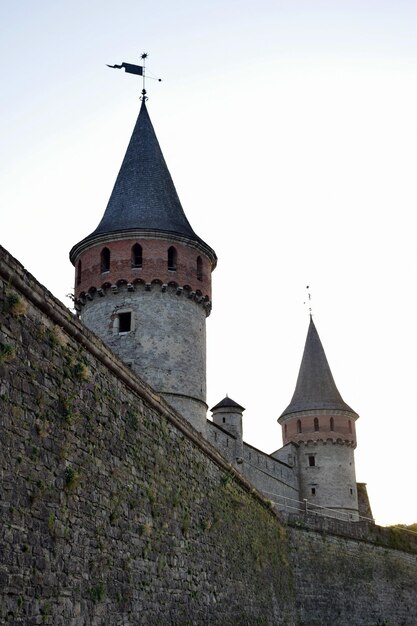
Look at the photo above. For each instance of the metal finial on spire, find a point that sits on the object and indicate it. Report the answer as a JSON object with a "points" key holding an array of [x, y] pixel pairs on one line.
{"points": [[143, 57], [310, 310]]}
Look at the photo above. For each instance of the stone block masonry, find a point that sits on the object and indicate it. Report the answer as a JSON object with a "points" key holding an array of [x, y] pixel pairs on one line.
{"points": [[114, 510], [344, 582], [166, 345]]}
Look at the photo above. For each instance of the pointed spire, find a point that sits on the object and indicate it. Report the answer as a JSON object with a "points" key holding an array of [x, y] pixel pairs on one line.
{"points": [[144, 197], [315, 388]]}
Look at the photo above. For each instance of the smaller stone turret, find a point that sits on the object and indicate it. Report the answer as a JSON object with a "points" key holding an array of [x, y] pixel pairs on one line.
{"points": [[228, 415]]}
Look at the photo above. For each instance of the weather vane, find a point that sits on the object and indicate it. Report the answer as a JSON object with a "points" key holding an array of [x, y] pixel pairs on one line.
{"points": [[310, 310], [139, 70]]}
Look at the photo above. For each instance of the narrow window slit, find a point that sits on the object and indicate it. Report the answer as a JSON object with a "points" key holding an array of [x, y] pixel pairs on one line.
{"points": [[199, 268], [105, 260], [137, 259], [172, 259]]}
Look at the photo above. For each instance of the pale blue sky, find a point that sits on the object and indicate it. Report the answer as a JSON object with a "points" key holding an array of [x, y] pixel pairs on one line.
{"points": [[290, 131]]}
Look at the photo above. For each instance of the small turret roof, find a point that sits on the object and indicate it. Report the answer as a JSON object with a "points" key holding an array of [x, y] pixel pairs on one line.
{"points": [[315, 388], [144, 197], [227, 402]]}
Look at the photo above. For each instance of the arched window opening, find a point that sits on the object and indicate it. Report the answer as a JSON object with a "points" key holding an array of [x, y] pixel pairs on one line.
{"points": [[172, 259], [331, 423], [79, 272], [137, 255], [299, 430], [199, 268], [105, 260], [316, 424]]}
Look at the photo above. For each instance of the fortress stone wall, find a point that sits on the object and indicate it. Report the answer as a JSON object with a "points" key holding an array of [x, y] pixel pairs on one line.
{"points": [[114, 510], [277, 480]]}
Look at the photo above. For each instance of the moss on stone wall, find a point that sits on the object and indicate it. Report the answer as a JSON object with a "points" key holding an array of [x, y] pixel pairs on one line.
{"points": [[114, 511], [110, 512]]}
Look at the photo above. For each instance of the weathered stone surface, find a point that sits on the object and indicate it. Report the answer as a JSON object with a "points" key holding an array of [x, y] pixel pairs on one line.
{"points": [[113, 510]]}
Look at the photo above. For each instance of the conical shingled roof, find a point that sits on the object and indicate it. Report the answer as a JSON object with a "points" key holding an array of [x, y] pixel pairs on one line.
{"points": [[315, 388], [144, 197], [227, 402]]}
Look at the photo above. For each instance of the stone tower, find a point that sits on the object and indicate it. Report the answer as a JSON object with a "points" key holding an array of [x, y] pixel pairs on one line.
{"points": [[228, 415], [143, 278], [322, 426]]}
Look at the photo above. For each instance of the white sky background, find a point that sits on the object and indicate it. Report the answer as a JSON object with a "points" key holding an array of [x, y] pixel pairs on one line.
{"points": [[289, 128]]}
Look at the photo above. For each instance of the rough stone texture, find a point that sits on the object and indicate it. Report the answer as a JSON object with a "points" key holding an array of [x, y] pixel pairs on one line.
{"points": [[166, 346], [332, 477], [275, 479], [364, 505], [351, 583], [114, 510]]}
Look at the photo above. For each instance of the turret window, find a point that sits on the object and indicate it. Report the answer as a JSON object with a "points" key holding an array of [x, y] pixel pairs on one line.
{"points": [[299, 429], [199, 268], [350, 426], [316, 424], [79, 273], [331, 423], [137, 255], [172, 259], [311, 460], [105, 260], [123, 322]]}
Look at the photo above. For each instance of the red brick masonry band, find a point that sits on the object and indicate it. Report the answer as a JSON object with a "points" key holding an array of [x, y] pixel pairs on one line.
{"points": [[191, 267], [336, 426]]}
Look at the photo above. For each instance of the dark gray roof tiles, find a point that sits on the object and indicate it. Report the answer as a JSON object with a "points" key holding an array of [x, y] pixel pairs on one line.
{"points": [[227, 402], [315, 388], [144, 196]]}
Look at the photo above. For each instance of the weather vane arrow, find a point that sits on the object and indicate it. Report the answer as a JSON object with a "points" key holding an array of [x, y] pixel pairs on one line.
{"points": [[129, 68], [139, 70]]}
